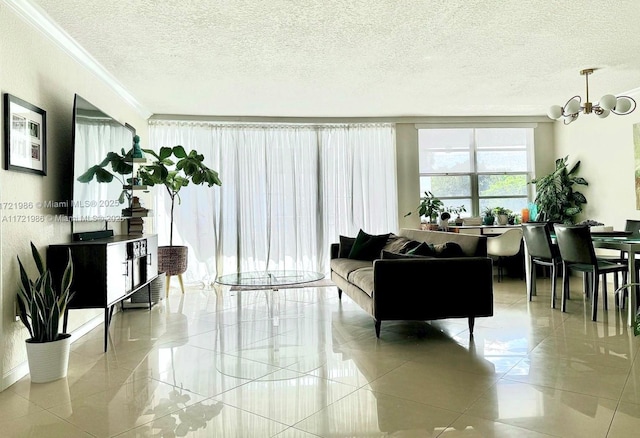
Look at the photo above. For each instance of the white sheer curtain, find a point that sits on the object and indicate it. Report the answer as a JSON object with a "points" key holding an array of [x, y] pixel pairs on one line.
{"points": [[287, 192]]}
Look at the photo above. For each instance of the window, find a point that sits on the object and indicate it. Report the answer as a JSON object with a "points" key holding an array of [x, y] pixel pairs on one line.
{"points": [[476, 167]]}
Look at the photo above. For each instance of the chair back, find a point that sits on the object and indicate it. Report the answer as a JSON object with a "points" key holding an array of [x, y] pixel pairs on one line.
{"points": [[633, 226], [537, 237], [505, 245], [575, 244]]}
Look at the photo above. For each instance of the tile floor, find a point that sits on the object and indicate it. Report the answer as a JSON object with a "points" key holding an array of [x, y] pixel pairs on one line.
{"points": [[300, 363]]}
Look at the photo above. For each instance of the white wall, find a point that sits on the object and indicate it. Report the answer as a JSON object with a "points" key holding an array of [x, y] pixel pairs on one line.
{"points": [[39, 72], [606, 153]]}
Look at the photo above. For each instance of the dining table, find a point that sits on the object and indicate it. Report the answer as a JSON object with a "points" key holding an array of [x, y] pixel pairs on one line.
{"points": [[614, 240]]}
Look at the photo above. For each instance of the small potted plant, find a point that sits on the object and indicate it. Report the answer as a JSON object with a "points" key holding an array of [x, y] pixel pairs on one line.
{"points": [[429, 207], [457, 211], [488, 218], [502, 214], [40, 307]]}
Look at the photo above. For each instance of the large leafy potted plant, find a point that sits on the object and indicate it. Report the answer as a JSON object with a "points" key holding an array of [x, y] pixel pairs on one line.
{"points": [[174, 175], [556, 197], [41, 307]]}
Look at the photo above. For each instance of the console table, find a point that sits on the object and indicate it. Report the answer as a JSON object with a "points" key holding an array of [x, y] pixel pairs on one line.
{"points": [[106, 271]]}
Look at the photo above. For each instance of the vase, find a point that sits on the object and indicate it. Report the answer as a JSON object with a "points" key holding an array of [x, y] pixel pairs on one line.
{"points": [[503, 219], [488, 220], [48, 361]]}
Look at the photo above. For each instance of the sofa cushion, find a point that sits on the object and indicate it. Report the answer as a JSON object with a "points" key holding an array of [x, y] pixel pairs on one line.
{"points": [[363, 278], [368, 246], [448, 249], [346, 243], [344, 267]]}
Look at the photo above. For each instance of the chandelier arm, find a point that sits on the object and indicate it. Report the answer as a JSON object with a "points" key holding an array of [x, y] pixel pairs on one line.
{"points": [[565, 114], [633, 107]]}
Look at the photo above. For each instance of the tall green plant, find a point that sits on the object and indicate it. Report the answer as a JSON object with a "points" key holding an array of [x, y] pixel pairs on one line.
{"points": [[176, 175], [556, 197], [40, 305], [173, 167]]}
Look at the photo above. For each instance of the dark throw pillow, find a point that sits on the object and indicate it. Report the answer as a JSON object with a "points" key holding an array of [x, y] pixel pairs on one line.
{"points": [[424, 249], [367, 246], [346, 243], [449, 249]]}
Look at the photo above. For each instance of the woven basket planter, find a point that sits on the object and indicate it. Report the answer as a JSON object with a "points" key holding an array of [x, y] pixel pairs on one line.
{"points": [[157, 287], [172, 260]]}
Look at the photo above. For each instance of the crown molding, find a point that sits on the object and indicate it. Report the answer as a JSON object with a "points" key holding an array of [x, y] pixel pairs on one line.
{"points": [[36, 17]]}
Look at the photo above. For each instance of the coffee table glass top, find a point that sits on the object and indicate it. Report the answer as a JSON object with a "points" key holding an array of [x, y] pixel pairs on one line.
{"points": [[269, 278]]}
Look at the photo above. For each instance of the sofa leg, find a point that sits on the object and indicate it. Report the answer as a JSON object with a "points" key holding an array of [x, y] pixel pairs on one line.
{"points": [[472, 321], [339, 293], [377, 324]]}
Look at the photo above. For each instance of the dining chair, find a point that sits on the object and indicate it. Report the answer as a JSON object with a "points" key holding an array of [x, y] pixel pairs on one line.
{"points": [[632, 226], [541, 250], [506, 244], [577, 253]]}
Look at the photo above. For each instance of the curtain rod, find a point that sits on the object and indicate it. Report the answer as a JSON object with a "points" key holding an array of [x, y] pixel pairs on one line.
{"points": [[264, 125]]}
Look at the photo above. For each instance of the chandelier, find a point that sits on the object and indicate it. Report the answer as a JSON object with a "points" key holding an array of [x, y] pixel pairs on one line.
{"points": [[609, 103]]}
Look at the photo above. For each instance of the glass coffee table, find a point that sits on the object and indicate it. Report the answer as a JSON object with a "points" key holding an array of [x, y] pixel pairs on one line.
{"points": [[269, 279], [270, 282]]}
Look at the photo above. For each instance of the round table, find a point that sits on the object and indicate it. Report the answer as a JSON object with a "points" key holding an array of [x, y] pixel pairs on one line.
{"points": [[269, 279]]}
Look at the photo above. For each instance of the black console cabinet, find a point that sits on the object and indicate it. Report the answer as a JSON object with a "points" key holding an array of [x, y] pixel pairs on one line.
{"points": [[106, 271]]}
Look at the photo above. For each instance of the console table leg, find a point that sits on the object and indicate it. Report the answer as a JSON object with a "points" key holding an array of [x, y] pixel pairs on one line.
{"points": [[166, 286]]}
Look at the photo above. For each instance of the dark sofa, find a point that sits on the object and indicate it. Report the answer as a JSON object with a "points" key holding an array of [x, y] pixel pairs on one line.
{"points": [[424, 288]]}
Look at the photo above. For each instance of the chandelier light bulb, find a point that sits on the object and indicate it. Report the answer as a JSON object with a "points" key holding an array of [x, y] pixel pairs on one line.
{"points": [[623, 105], [572, 107], [604, 113], [608, 102], [555, 112]]}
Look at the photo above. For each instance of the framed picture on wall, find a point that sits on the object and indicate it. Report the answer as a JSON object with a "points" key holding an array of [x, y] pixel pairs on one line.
{"points": [[25, 136]]}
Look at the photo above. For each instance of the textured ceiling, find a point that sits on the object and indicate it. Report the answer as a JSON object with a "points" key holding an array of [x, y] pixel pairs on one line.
{"points": [[357, 58]]}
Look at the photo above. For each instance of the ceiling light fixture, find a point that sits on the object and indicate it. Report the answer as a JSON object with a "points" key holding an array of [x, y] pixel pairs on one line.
{"points": [[609, 103]]}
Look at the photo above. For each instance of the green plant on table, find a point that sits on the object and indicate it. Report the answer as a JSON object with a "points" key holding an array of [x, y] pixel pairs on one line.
{"points": [[40, 305], [457, 210], [429, 207], [501, 211]]}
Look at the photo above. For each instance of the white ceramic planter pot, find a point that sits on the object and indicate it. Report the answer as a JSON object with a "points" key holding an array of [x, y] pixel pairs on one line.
{"points": [[48, 361], [503, 219]]}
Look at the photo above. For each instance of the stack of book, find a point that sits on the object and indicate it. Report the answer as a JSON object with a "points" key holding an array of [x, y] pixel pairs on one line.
{"points": [[136, 212]]}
